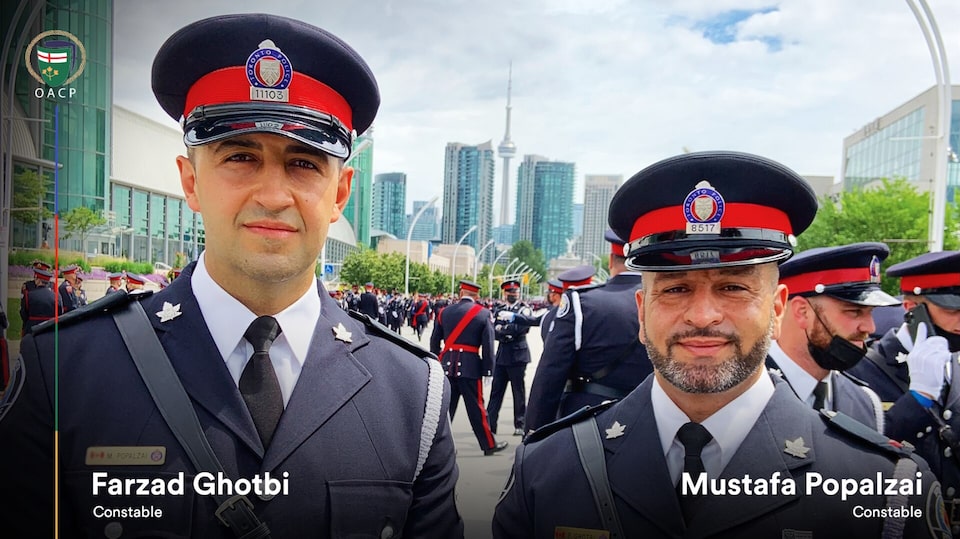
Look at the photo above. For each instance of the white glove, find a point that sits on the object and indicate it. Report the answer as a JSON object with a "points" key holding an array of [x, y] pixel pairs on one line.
{"points": [[487, 380], [506, 316], [927, 362]]}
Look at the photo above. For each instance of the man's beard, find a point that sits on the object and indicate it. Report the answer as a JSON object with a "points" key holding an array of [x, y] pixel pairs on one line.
{"points": [[709, 378]]}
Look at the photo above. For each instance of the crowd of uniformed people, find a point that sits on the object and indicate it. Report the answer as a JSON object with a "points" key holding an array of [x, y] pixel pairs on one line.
{"points": [[712, 349]]}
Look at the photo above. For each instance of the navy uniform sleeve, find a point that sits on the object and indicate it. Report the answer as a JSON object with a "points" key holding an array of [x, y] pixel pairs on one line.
{"points": [[487, 338], [434, 511], [436, 337], [26, 452], [559, 355], [525, 317]]}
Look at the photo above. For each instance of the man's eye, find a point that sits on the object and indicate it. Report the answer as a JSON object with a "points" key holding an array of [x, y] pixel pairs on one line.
{"points": [[674, 290], [240, 157], [303, 163]]}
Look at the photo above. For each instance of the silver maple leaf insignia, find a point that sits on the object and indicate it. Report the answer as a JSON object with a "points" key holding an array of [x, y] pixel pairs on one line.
{"points": [[169, 311], [796, 448], [341, 334], [615, 430]]}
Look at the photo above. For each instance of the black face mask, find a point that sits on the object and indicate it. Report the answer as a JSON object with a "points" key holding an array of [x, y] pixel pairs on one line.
{"points": [[839, 355], [953, 340]]}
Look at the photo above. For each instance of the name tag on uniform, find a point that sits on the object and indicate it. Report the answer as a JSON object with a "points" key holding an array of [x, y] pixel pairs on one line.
{"points": [[121, 455], [564, 532]]}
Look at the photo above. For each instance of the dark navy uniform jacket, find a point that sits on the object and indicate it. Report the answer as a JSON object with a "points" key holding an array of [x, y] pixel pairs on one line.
{"points": [[512, 336], [907, 419], [546, 322], [463, 359], [369, 305], [349, 437], [68, 298], [548, 488], [594, 326], [37, 304]]}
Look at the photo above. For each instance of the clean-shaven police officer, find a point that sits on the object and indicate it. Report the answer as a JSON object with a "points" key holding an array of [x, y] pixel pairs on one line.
{"points": [[511, 323]]}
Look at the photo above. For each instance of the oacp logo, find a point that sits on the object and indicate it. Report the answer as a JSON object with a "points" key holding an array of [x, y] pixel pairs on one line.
{"points": [[55, 58]]}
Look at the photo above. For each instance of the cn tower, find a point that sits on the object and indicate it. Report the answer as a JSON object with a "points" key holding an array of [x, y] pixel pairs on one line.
{"points": [[507, 150]]}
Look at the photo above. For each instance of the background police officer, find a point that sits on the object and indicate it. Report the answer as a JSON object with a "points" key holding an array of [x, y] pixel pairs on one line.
{"points": [[38, 302], [68, 295], [511, 323], [708, 229], [465, 330], [368, 302], [554, 292], [833, 291], [593, 353]]}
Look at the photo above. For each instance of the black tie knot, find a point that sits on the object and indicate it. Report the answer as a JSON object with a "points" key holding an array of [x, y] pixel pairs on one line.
{"points": [[261, 333], [820, 395], [694, 438]]}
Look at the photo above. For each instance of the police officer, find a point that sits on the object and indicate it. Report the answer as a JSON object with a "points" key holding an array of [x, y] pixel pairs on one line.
{"points": [[68, 296], [32, 283], [833, 291], [554, 292], [277, 378], [465, 330], [511, 324], [912, 372], [115, 283], [368, 302], [135, 282], [593, 353], [80, 292], [38, 302], [707, 230], [419, 314]]}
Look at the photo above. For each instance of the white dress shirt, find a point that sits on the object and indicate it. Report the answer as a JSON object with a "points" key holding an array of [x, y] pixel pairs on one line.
{"points": [[228, 319], [800, 380], [728, 426]]}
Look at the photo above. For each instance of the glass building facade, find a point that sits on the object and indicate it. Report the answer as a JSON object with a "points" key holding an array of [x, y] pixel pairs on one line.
{"points": [[359, 209], [153, 227], [902, 144], [389, 203], [545, 204], [468, 195]]}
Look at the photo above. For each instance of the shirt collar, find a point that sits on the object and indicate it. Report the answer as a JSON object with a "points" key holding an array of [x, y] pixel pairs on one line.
{"points": [[228, 319], [800, 380], [729, 425]]}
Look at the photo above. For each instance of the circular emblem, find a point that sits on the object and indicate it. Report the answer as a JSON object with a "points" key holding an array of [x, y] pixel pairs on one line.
{"points": [[58, 61], [875, 270], [703, 205], [156, 456], [564, 307], [267, 67]]}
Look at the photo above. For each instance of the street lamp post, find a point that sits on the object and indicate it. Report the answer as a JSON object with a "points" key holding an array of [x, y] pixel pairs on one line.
{"points": [[453, 263], [506, 270], [476, 261], [931, 34], [406, 276], [490, 273]]}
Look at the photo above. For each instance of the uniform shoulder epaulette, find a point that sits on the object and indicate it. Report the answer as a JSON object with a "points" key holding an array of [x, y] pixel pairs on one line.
{"points": [[105, 304], [854, 379], [381, 330], [850, 427], [584, 288], [564, 422]]}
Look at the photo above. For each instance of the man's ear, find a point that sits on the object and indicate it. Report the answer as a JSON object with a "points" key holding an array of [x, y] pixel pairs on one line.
{"points": [[188, 182], [343, 192]]}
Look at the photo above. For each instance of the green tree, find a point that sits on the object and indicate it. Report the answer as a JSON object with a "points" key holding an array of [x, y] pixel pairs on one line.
{"points": [[530, 255], [358, 266], [29, 190], [895, 214], [80, 221]]}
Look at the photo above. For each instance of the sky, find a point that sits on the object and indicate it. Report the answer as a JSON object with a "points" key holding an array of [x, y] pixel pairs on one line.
{"points": [[612, 86]]}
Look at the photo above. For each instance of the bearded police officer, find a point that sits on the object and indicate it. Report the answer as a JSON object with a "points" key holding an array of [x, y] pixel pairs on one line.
{"points": [[592, 354], [751, 460], [511, 323], [833, 291], [277, 413]]}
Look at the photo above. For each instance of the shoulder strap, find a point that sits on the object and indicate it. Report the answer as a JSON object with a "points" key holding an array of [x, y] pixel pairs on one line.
{"points": [[171, 399], [431, 414], [590, 450], [893, 527], [451, 341]]}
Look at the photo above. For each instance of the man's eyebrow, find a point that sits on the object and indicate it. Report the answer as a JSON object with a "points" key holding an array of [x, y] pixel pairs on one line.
{"points": [[738, 270], [239, 142]]}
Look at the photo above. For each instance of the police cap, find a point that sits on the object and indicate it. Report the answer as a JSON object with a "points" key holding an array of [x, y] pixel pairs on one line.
{"points": [[848, 272], [578, 276], [512, 284], [115, 276], [135, 279], [69, 270], [235, 74], [469, 286], [555, 286], [935, 276], [42, 274], [616, 243], [711, 209]]}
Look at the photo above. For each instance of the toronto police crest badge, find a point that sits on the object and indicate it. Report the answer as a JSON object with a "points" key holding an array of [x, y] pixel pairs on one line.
{"points": [[875, 270], [703, 209], [269, 73]]}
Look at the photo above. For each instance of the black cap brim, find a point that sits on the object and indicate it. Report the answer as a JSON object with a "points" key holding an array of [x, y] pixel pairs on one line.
{"points": [[871, 297], [946, 301]]}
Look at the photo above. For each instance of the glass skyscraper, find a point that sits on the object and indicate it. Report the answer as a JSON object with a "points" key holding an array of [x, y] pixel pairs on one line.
{"points": [[389, 203], [545, 204], [468, 194], [359, 209]]}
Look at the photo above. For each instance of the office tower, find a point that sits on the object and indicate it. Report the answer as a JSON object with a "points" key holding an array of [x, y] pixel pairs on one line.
{"points": [[598, 191], [468, 194], [545, 204], [389, 202]]}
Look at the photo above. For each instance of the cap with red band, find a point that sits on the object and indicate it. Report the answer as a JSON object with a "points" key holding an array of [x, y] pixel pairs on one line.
{"points": [[555, 286], [616, 244], [935, 276], [255, 73], [711, 209], [510, 285], [469, 286], [849, 273], [578, 276]]}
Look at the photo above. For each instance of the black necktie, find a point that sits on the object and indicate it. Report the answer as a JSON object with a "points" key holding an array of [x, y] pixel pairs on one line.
{"points": [[694, 438], [820, 396], [258, 383]]}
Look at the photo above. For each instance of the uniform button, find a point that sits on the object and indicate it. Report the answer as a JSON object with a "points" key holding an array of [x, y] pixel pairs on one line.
{"points": [[387, 532], [266, 497], [951, 491], [947, 452], [929, 429], [920, 434], [113, 530], [947, 414]]}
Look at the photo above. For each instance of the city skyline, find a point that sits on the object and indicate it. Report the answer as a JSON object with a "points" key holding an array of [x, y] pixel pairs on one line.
{"points": [[612, 87]]}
